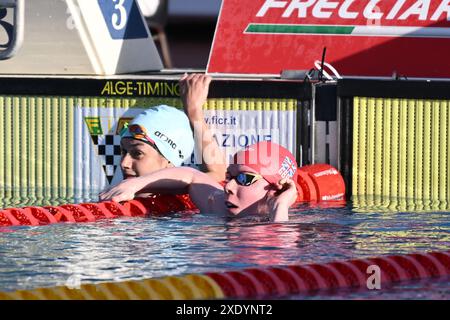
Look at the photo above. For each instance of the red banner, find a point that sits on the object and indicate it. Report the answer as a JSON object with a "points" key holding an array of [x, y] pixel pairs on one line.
{"points": [[362, 37]]}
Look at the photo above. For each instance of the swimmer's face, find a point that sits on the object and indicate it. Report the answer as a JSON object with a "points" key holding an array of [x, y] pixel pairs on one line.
{"points": [[241, 199], [139, 158]]}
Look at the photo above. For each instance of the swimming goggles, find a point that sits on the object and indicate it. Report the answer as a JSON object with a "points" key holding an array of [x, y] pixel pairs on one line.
{"points": [[138, 132], [245, 178]]}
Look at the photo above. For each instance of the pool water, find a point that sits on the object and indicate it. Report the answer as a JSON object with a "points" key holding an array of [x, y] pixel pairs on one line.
{"points": [[137, 248]]}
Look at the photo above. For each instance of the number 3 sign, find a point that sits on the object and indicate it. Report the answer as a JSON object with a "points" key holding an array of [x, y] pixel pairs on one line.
{"points": [[123, 19]]}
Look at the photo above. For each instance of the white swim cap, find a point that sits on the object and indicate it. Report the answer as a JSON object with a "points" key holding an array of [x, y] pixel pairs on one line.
{"points": [[168, 128]]}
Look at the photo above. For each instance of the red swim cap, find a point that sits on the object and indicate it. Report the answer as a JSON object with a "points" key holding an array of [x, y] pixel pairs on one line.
{"points": [[269, 159]]}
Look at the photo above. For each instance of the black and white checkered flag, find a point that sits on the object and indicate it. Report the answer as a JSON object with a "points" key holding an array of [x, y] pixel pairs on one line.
{"points": [[108, 147]]}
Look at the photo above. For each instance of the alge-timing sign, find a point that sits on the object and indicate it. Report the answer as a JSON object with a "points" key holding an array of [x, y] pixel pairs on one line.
{"points": [[363, 37]]}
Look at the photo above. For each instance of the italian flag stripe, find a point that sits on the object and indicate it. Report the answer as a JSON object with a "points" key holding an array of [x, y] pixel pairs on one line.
{"points": [[374, 31], [297, 28]]}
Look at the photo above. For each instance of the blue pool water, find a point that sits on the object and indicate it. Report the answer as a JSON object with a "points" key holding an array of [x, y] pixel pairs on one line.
{"points": [[137, 248]]}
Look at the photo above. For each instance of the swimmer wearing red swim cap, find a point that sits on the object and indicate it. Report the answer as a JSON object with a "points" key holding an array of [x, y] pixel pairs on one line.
{"points": [[259, 181]]}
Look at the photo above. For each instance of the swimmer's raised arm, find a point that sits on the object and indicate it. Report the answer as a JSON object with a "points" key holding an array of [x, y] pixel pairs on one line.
{"points": [[198, 184], [194, 92]]}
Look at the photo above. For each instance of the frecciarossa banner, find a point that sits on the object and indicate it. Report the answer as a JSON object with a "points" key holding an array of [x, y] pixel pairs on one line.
{"points": [[362, 37]]}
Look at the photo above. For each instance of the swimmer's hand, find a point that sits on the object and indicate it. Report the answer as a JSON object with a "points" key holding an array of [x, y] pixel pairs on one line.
{"points": [[280, 200], [124, 191], [194, 92]]}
